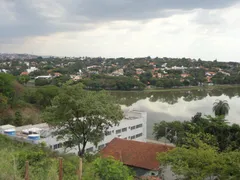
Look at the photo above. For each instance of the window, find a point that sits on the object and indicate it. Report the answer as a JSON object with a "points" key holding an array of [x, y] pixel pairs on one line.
{"points": [[50, 146], [118, 131], [55, 146], [133, 137], [89, 149], [107, 133], [101, 147], [124, 129], [125, 138], [139, 135], [133, 127], [139, 126], [60, 145]]}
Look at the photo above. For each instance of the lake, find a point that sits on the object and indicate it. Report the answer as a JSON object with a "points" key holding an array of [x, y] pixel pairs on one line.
{"points": [[180, 104]]}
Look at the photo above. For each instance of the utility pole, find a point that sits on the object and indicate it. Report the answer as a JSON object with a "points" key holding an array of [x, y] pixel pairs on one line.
{"points": [[60, 169]]}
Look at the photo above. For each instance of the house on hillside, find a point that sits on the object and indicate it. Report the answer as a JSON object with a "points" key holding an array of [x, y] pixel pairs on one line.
{"points": [[210, 74], [57, 74], [139, 71], [31, 69], [24, 73], [139, 156], [118, 72], [184, 75]]}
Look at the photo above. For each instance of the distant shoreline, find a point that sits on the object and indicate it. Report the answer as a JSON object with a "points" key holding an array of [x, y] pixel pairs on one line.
{"points": [[180, 88]]}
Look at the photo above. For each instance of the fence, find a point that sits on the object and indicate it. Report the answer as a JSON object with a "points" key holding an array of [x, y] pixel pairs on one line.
{"points": [[60, 170]]}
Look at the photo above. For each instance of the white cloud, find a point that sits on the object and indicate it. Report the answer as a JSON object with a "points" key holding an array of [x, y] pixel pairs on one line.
{"points": [[197, 33]]}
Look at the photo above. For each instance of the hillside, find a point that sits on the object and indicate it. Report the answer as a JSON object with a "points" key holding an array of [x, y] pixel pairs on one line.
{"points": [[44, 164]]}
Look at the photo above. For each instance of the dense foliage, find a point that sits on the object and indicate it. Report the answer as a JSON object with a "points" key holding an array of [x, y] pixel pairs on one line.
{"points": [[97, 82], [82, 116], [43, 164], [207, 147], [202, 161], [225, 136]]}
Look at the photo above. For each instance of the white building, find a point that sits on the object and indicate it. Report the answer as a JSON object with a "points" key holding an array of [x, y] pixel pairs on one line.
{"points": [[133, 127], [31, 69], [44, 77]]}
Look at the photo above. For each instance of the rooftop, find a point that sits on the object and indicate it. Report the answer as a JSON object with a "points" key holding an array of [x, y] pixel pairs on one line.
{"points": [[135, 153]]}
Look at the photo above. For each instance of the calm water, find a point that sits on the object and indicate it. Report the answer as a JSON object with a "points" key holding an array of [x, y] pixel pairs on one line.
{"points": [[180, 105]]}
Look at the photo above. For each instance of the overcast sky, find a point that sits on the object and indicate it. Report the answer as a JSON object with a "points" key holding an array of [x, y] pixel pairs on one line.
{"points": [[206, 29]]}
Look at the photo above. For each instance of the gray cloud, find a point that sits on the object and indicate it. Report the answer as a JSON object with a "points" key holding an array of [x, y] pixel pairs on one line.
{"points": [[32, 18]]}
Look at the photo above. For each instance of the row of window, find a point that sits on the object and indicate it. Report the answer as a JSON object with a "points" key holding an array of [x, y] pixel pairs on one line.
{"points": [[60, 145], [103, 145], [56, 146], [125, 129], [99, 148], [118, 131], [135, 136]]}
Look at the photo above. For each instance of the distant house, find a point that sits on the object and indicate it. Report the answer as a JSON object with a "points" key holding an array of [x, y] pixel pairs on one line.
{"points": [[210, 74], [140, 156], [24, 73], [164, 65], [57, 74], [31, 69], [44, 77], [3, 70], [178, 68], [225, 73], [139, 71], [184, 75], [75, 77], [118, 72]]}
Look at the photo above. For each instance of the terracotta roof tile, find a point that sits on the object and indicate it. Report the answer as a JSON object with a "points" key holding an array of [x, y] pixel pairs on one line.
{"points": [[135, 153]]}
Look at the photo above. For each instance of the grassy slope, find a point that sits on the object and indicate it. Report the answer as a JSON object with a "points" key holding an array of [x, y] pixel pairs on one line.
{"points": [[43, 164]]}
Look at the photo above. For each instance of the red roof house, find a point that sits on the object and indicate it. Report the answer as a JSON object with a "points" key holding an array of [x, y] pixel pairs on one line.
{"points": [[24, 74], [139, 155]]}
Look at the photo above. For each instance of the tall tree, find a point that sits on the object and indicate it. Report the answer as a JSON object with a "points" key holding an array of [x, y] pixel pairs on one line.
{"points": [[109, 169], [82, 116], [201, 162], [221, 108]]}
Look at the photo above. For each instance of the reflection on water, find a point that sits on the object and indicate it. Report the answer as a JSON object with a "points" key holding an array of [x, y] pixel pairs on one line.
{"points": [[180, 105]]}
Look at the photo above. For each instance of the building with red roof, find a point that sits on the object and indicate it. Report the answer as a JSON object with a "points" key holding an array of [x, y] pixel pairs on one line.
{"points": [[140, 156], [24, 74]]}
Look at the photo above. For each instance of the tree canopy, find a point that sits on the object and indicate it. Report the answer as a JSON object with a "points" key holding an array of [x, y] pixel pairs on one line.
{"points": [[82, 116], [221, 108], [201, 162]]}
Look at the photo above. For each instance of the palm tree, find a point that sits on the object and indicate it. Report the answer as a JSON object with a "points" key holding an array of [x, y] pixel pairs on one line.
{"points": [[221, 108]]}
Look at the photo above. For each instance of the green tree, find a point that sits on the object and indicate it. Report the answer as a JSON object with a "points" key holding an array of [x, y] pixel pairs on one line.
{"points": [[201, 162], [221, 108], [3, 102], [18, 118], [82, 116], [110, 169], [42, 82], [6, 85], [225, 136], [23, 79]]}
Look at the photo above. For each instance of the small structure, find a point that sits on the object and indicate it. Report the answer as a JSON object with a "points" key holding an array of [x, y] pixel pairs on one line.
{"points": [[6, 127], [57, 74], [24, 73], [31, 69], [184, 75], [139, 71], [44, 77], [140, 156], [210, 74], [118, 72]]}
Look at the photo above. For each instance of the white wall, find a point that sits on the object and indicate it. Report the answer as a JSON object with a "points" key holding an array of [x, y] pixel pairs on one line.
{"points": [[141, 118]]}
